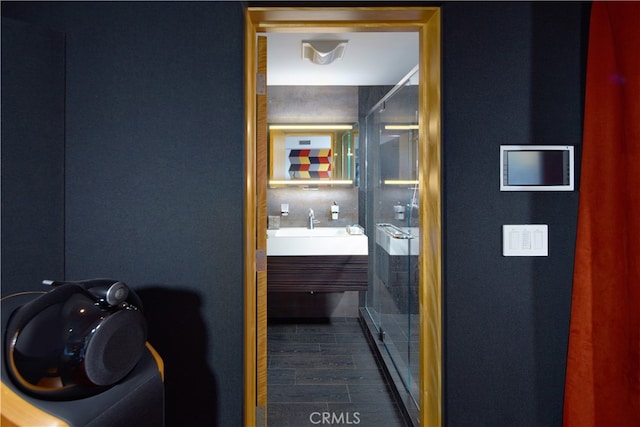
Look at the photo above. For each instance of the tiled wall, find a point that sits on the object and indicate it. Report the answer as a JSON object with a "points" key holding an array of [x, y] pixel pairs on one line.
{"points": [[300, 200], [306, 305]]}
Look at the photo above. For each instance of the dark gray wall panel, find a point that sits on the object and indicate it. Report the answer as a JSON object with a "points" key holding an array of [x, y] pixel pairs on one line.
{"points": [[32, 155], [512, 74], [154, 179], [155, 184]]}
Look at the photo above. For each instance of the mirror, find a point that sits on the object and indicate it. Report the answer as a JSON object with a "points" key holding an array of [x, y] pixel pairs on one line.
{"points": [[312, 154], [399, 145], [395, 118]]}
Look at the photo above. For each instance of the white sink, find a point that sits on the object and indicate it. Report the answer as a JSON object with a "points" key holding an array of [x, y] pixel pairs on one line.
{"points": [[315, 232], [399, 246], [300, 241]]}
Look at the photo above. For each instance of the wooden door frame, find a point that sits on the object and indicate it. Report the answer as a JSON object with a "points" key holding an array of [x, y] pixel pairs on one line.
{"points": [[425, 21]]}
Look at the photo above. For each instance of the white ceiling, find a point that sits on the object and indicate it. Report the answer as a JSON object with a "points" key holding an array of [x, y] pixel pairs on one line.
{"points": [[370, 59]]}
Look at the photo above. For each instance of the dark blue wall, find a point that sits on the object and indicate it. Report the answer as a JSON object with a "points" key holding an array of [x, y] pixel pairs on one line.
{"points": [[32, 155], [154, 179], [513, 73], [154, 169]]}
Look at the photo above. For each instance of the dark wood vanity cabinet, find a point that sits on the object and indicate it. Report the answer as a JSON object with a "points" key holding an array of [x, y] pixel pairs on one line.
{"points": [[326, 273]]}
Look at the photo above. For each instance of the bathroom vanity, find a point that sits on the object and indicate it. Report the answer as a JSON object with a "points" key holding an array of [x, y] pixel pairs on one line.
{"points": [[323, 259]]}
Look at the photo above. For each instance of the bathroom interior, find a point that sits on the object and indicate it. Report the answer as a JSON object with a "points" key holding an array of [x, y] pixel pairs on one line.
{"points": [[343, 197]]}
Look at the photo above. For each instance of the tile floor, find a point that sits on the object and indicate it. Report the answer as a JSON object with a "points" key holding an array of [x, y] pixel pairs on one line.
{"points": [[322, 372]]}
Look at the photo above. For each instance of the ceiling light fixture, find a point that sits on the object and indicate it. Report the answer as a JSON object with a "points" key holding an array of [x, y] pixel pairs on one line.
{"points": [[323, 52]]}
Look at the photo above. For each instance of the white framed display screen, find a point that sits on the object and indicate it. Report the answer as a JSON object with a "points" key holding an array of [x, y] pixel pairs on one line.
{"points": [[536, 168]]}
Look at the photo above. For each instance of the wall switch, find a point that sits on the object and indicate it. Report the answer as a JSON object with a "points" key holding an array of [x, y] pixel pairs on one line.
{"points": [[525, 240]]}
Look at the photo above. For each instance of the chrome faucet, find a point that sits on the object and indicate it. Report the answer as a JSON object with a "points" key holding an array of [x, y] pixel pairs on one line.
{"points": [[312, 220]]}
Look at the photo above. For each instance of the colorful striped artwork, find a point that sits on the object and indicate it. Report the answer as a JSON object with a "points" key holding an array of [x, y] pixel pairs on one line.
{"points": [[310, 164]]}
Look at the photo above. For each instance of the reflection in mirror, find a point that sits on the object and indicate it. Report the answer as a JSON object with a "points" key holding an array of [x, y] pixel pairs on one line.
{"points": [[399, 145], [396, 119], [305, 154]]}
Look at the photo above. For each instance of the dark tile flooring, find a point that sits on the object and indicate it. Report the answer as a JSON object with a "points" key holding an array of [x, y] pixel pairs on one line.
{"points": [[402, 338], [322, 372]]}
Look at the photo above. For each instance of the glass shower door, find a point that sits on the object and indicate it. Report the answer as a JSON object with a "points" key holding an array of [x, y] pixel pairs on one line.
{"points": [[393, 227]]}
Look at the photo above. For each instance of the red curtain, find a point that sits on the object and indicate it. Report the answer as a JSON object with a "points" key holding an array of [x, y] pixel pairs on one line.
{"points": [[603, 367]]}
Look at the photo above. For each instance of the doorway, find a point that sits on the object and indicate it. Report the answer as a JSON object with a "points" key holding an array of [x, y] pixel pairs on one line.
{"points": [[426, 22]]}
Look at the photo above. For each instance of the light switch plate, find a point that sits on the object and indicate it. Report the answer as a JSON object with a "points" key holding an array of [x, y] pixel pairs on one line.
{"points": [[525, 240]]}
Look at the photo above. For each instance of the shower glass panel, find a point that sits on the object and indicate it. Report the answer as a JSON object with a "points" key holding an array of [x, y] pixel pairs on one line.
{"points": [[393, 227]]}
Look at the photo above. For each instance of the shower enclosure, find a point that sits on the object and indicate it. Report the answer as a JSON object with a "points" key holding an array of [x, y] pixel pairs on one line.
{"points": [[391, 304]]}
